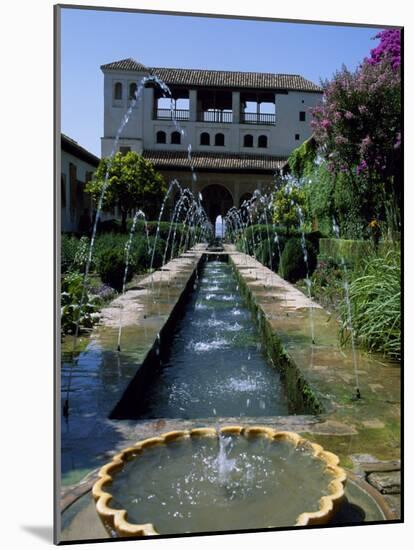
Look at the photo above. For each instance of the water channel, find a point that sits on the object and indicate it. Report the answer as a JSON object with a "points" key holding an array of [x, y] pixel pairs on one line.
{"points": [[212, 366], [215, 365]]}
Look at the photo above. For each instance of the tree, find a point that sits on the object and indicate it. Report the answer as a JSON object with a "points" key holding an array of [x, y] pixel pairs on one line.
{"points": [[288, 206], [358, 127], [131, 183]]}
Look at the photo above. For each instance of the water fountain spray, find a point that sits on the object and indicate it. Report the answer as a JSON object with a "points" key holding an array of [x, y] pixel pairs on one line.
{"points": [[138, 214], [357, 395], [307, 280], [146, 81]]}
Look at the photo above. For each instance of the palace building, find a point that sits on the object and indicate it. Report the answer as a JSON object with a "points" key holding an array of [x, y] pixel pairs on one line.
{"points": [[242, 126], [77, 168]]}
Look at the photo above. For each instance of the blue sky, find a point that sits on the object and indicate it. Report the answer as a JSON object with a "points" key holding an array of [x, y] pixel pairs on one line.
{"points": [[91, 38]]}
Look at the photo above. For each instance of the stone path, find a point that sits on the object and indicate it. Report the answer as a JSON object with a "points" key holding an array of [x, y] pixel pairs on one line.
{"points": [[383, 475]]}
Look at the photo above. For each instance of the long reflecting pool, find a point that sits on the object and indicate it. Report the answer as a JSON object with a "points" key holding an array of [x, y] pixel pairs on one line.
{"points": [[215, 365]]}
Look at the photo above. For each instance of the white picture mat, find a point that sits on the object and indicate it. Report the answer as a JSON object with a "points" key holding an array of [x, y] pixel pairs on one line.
{"points": [[27, 271]]}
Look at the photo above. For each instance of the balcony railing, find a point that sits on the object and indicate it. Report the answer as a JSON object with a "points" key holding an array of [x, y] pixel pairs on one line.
{"points": [[167, 114], [257, 118], [215, 115]]}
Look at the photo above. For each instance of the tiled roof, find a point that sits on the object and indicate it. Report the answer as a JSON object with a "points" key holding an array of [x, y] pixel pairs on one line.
{"points": [[125, 65], [214, 161], [222, 79], [71, 146]]}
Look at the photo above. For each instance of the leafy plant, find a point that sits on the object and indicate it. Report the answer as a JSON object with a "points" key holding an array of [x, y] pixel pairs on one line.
{"points": [[375, 296], [71, 311], [327, 283], [81, 255], [287, 202], [301, 160], [74, 253], [68, 248]]}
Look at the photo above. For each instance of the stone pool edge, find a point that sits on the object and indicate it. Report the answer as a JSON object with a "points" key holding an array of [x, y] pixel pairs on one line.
{"points": [[302, 396], [116, 519]]}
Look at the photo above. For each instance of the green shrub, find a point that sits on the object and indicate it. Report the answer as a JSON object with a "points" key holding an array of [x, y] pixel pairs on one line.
{"points": [[75, 251], [71, 297], [163, 231], [109, 226], [354, 252], [314, 237], [263, 252], [260, 233], [142, 255], [112, 268], [293, 266], [68, 248], [375, 296], [105, 243]]}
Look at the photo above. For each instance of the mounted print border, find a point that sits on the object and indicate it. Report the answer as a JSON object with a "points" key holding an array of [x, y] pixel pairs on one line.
{"points": [[228, 237]]}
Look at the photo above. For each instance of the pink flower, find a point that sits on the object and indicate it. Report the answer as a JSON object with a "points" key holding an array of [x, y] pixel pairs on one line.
{"points": [[341, 140]]}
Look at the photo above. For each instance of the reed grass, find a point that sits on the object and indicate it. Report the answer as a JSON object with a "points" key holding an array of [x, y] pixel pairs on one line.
{"points": [[375, 295]]}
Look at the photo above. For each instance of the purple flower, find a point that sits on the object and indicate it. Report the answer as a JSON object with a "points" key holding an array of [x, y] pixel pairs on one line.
{"points": [[388, 48], [362, 166], [397, 143]]}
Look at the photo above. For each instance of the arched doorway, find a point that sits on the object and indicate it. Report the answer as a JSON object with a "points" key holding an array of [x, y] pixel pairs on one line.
{"points": [[217, 201]]}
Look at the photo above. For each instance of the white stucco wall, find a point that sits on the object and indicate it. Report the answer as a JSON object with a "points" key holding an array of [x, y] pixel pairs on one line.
{"points": [[140, 132], [70, 217]]}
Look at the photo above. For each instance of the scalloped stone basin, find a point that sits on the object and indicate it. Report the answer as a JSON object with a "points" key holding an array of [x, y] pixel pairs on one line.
{"points": [[205, 480]]}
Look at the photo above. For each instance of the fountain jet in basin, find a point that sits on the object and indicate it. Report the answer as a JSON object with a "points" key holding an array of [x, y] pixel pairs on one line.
{"points": [[212, 480]]}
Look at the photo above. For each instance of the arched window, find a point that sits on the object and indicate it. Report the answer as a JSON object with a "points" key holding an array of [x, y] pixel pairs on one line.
{"points": [[118, 90], [205, 138], [132, 90], [176, 138], [161, 137], [219, 140], [262, 141], [248, 140]]}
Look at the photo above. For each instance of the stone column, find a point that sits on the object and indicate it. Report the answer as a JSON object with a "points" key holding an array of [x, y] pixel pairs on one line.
{"points": [[236, 107], [236, 194], [148, 105], [193, 105]]}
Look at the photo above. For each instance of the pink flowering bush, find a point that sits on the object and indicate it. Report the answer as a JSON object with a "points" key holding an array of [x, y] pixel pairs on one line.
{"points": [[358, 126], [388, 48]]}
